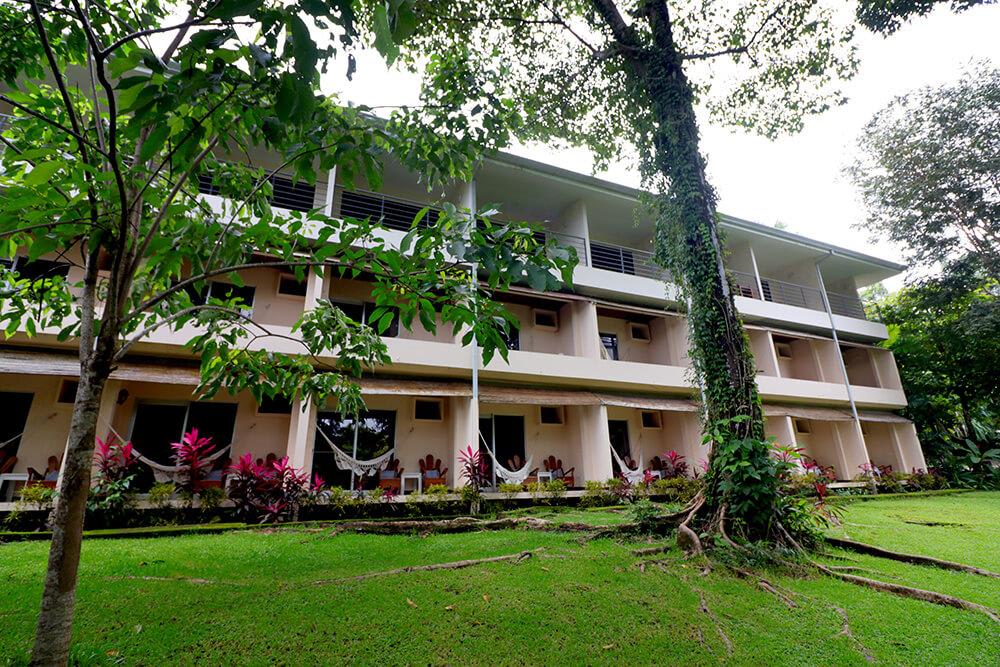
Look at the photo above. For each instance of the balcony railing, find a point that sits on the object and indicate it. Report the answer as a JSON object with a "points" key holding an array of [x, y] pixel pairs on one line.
{"points": [[286, 192], [392, 212], [796, 295], [625, 260]]}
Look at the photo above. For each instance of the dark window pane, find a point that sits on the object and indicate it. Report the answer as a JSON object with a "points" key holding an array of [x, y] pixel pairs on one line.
{"points": [[290, 286], [155, 427], [427, 409], [610, 343], [393, 329], [205, 185], [15, 407], [40, 268], [550, 415], [213, 420], [512, 338], [67, 391], [355, 311], [227, 291], [279, 405]]}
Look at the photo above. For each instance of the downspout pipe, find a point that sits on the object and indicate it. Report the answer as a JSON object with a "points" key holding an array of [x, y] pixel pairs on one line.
{"points": [[840, 354]]}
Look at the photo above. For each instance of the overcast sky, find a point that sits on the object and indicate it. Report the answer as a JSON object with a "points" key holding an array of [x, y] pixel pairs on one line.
{"points": [[797, 179]]}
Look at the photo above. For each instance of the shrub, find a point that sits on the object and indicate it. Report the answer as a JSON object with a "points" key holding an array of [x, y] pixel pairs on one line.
{"points": [[161, 494], [273, 492], [894, 482], [509, 490], [471, 496], [375, 495], [473, 467], [621, 490], [927, 480], [644, 513], [556, 488], [437, 495], [113, 459], [594, 494], [537, 490], [679, 489], [210, 498]]}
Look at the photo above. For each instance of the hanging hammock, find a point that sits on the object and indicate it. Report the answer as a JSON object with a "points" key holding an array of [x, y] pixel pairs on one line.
{"points": [[162, 473], [7, 442], [509, 476], [633, 476], [361, 468]]}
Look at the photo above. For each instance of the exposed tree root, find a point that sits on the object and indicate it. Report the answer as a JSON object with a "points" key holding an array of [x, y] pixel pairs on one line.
{"points": [[915, 559], [187, 580], [909, 592], [703, 607], [454, 565], [845, 631], [766, 585], [649, 551], [936, 523], [687, 539], [460, 525]]}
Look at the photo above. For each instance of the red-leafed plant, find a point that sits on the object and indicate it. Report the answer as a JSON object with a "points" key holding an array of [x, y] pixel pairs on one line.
{"points": [[113, 459], [674, 465], [270, 492], [473, 467], [191, 455]]}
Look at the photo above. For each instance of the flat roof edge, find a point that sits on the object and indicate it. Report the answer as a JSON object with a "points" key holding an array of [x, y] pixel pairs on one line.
{"points": [[629, 192]]}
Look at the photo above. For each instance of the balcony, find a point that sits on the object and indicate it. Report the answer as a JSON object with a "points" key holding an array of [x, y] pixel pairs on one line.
{"points": [[286, 192], [802, 296]]}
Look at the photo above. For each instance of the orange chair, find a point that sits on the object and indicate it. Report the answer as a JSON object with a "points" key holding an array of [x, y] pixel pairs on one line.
{"points": [[7, 464], [555, 466], [393, 479], [432, 471]]}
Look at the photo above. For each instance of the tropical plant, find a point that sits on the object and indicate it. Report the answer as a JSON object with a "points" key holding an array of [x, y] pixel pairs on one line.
{"points": [[270, 493], [113, 459], [161, 494], [473, 467], [191, 456], [509, 490], [674, 465]]}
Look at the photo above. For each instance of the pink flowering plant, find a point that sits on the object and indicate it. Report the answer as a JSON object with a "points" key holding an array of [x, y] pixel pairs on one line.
{"points": [[113, 459], [674, 465], [473, 467]]}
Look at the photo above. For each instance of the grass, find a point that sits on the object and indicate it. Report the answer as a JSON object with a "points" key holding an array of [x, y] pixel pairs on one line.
{"points": [[251, 597]]}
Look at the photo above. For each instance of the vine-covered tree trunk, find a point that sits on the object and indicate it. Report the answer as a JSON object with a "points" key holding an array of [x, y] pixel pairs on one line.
{"points": [[687, 241]]}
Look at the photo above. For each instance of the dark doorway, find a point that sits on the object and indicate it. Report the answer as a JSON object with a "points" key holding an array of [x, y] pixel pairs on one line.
{"points": [[618, 430], [15, 407], [506, 434]]}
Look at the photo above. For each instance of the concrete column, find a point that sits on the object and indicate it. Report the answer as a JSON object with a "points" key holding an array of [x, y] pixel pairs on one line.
{"points": [[316, 288], [464, 412], [852, 452], [781, 429], [302, 435], [586, 334], [595, 442], [909, 444]]}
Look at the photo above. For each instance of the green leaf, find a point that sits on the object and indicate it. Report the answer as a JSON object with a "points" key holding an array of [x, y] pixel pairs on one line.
{"points": [[42, 172], [154, 142], [229, 9]]}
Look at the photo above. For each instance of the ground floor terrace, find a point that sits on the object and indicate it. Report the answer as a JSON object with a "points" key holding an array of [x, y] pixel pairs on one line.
{"points": [[413, 432]]}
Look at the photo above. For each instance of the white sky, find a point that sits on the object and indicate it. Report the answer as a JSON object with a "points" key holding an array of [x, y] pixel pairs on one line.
{"points": [[797, 179]]}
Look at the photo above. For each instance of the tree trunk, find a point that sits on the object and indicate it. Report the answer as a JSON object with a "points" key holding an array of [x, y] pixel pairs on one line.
{"points": [[687, 241], [54, 629]]}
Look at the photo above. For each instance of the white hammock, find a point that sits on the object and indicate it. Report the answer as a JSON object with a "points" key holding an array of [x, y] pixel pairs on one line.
{"points": [[162, 473], [511, 476], [347, 462], [633, 476]]}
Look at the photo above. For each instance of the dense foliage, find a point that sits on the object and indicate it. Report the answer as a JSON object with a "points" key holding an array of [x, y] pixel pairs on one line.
{"points": [[943, 333]]}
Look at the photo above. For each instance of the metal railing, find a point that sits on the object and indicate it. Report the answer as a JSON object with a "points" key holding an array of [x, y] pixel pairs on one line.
{"points": [[393, 212], [629, 261], [791, 294], [577, 243], [286, 192]]}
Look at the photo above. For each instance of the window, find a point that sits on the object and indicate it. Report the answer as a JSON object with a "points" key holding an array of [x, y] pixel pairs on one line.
{"points": [[428, 410], [639, 332], [277, 405], [224, 292], [38, 269], [546, 319], [67, 391], [206, 186], [289, 285], [651, 419], [360, 312], [610, 343], [784, 350], [550, 414], [803, 426], [156, 425], [512, 337]]}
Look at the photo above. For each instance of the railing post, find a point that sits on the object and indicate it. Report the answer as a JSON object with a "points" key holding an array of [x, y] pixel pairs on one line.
{"points": [[756, 273]]}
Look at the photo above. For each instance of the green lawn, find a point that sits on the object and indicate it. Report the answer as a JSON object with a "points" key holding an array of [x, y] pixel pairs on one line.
{"points": [[252, 597]]}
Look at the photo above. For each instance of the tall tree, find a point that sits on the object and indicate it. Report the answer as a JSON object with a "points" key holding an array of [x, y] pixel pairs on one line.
{"points": [[929, 172], [110, 135], [624, 80], [887, 16], [943, 333]]}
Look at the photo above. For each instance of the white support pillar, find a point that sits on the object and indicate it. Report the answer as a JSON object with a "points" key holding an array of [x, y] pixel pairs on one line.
{"points": [[302, 435], [464, 433], [586, 333], [756, 272], [595, 443]]}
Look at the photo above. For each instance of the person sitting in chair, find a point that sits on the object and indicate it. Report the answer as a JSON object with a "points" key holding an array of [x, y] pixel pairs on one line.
{"points": [[51, 473]]}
